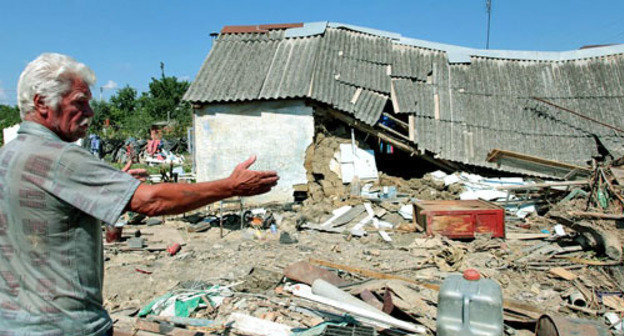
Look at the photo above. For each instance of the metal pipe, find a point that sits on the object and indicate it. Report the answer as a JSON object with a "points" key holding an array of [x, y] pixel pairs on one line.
{"points": [[578, 299]]}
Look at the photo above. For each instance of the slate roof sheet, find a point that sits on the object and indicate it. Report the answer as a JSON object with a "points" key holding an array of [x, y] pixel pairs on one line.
{"points": [[466, 102]]}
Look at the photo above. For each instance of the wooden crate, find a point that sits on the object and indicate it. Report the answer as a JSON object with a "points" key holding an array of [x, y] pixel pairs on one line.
{"points": [[460, 219]]}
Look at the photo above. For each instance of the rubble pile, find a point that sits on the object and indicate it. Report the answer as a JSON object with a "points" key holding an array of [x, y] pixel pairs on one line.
{"points": [[378, 258], [324, 185]]}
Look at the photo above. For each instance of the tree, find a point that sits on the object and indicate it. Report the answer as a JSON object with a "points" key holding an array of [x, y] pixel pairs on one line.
{"points": [[130, 115], [163, 101], [101, 111]]}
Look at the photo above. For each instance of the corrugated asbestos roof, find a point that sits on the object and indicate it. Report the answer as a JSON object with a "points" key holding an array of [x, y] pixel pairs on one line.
{"points": [[462, 110]]}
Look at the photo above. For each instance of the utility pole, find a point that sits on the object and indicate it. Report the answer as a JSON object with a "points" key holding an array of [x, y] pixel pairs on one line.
{"points": [[488, 8]]}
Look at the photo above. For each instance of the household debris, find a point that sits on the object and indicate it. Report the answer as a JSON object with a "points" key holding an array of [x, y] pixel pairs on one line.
{"points": [[367, 261], [469, 305], [460, 219]]}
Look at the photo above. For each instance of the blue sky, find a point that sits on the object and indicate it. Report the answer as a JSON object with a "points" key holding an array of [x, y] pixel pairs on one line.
{"points": [[125, 41]]}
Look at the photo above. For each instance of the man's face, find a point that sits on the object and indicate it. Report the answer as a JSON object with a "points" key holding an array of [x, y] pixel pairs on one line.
{"points": [[73, 115]]}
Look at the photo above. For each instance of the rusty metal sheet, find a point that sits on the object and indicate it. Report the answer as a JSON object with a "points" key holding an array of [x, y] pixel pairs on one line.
{"points": [[307, 273], [560, 326], [388, 305], [370, 298], [258, 28]]}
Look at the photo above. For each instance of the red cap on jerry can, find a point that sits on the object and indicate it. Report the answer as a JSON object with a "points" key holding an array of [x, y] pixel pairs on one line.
{"points": [[471, 274]]}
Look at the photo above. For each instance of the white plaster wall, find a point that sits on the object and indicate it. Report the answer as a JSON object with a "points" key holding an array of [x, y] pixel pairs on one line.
{"points": [[277, 132], [10, 133]]}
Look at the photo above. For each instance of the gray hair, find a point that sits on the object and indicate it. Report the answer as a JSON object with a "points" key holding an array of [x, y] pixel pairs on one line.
{"points": [[50, 75]]}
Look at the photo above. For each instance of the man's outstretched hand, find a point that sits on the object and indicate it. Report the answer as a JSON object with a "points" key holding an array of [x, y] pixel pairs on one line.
{"points": [[247, 182], [139, 174]]}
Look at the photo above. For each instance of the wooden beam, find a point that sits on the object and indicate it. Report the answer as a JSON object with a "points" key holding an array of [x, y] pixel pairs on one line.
{"points": [[496, 154], [436, 104], [390, 130], [371, 274], [166, 329], [543, 185], [370, 130], [530, 311], [412, 127], [599, 215], [397, 120], [442, 164]]}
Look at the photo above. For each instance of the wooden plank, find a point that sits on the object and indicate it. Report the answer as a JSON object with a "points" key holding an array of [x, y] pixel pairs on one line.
{"points": [[590, 262], [186, 321], [393, 97], [399, 144], [526, 236], [614, 302], [618, 173], [396, 120], [543, 185], [563, 273], [514, 306], [412, 127], [436, 106], [306, 273], [497, 154], [148, 326], [396, 133], [164, 329], [403, 291], [615, 192], [368, 129], [371, 274], [586, 214]]}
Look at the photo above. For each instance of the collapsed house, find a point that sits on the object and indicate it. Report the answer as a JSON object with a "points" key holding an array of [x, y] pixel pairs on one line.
{"points": [[262, 89]]}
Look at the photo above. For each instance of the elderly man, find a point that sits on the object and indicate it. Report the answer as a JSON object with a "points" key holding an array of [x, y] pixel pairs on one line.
{"points": [[54, 195]]}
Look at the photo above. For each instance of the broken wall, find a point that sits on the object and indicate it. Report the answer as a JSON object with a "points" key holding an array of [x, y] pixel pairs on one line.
{"points": [[278, 132]]}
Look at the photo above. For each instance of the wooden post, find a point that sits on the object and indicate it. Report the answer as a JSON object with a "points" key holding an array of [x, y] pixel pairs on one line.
{"points": [[412, 127]]}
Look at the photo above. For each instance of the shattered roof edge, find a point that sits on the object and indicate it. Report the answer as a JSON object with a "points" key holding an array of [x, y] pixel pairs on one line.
{"points": [[459, 54]]}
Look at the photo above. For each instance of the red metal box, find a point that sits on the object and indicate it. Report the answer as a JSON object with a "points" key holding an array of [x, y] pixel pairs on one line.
{"points": [[460, 219]]}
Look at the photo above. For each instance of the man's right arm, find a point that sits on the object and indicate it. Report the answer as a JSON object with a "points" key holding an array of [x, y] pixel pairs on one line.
{"points": [[176, 198]]}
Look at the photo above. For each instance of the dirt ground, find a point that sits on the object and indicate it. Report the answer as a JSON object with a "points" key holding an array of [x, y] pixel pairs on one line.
{"points": [[541, 271], [205, 257]]}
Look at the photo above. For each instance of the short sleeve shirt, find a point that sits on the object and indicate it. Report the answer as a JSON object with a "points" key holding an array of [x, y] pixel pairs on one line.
{"points": [[53, 197]]}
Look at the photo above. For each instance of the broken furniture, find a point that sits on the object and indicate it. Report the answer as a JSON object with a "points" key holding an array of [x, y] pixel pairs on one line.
{"points": [[460, 219]]}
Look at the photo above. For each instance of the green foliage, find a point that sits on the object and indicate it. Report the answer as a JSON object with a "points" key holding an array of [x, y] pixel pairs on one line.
{"points": [[152, 169], [132, 115], [9, 116]]}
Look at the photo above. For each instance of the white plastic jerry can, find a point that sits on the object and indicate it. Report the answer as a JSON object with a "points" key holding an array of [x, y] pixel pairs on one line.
{"points": [[470, 306]]}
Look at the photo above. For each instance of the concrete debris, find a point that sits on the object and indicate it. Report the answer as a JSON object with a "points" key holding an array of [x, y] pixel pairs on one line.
{"points": [[249, 325], [153, 221], [359, 256]]}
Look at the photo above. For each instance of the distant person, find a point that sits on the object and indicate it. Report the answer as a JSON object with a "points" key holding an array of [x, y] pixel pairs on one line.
{"points": [[95, 145], [54, 196]]}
